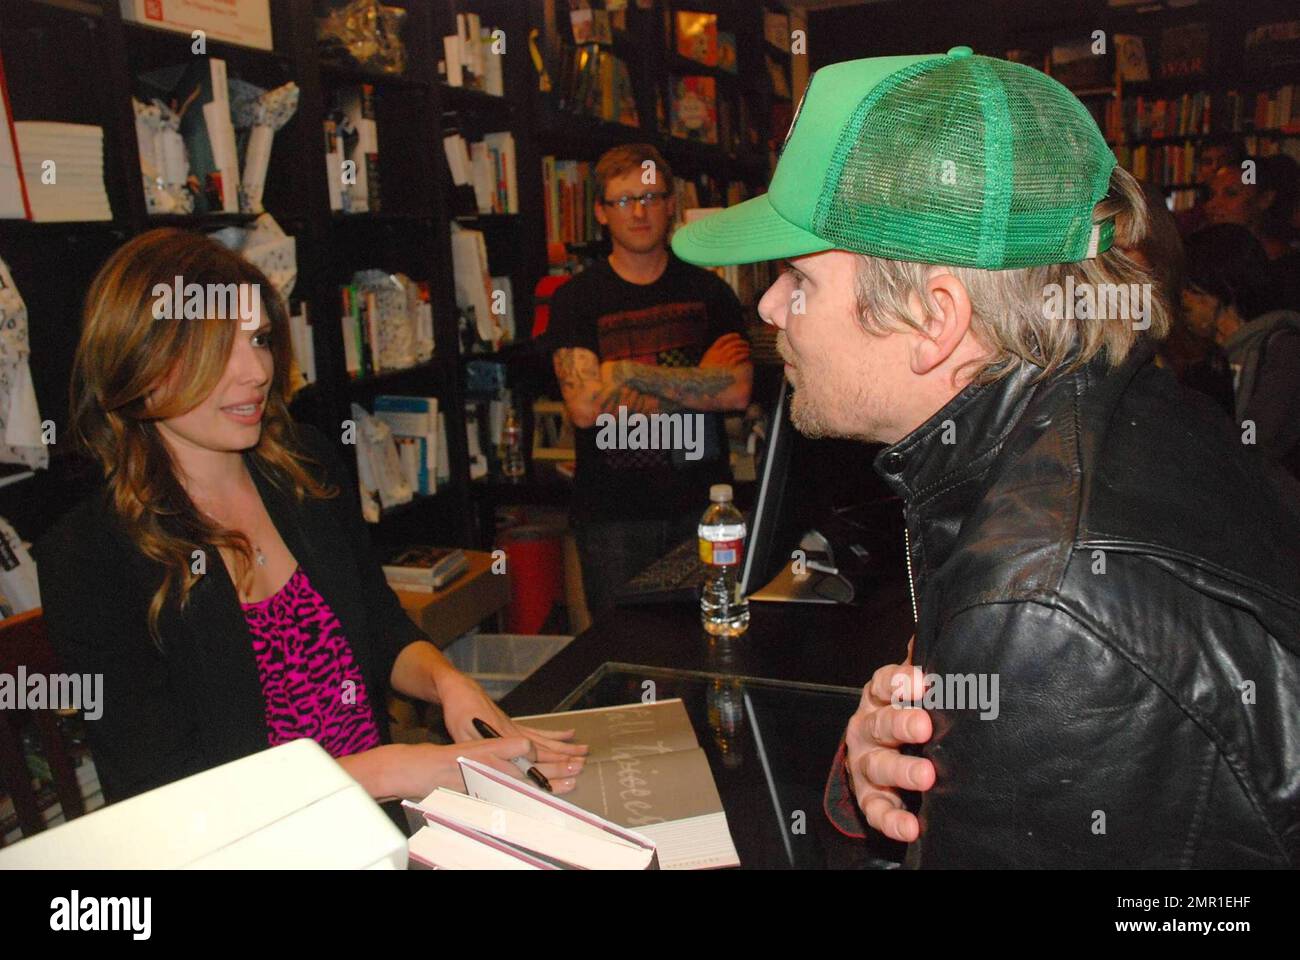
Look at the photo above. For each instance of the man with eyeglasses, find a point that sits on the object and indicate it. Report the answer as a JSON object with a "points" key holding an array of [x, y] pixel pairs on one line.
{"points": [[642, 332]]}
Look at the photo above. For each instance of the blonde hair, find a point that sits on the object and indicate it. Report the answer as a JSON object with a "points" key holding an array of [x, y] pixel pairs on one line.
{"points": [[124, 354], [1007, 306]]}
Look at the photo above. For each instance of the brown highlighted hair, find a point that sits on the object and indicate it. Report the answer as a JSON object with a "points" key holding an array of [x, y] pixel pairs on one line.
{"points": [[125, 354], [630, 156]]}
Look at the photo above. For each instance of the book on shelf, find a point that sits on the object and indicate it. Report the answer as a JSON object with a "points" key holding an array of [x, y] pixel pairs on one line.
{"points": [[1276, 43], [697, 37], [1079, 66], [473, 283], [471, 58], [694, 111], [1184, 51], [387, 323], [381, 482], [414, 423], [304, 347], [488, 165], [1202, 112], [198, 92], [425, 568], [478, 464], [62, 171], [502, 823], [1131, 58], [596, 83], [354, 118], [503, 296], [674, 800], [568, 201], [247, 22], [14, 204]]}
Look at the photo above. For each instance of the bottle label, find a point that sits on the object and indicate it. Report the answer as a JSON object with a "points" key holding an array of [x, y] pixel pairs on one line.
{"points": [[721, 553]]}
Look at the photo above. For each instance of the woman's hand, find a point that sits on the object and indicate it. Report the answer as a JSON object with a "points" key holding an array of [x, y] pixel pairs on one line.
{"points": [[422, 768], [463, 699]]}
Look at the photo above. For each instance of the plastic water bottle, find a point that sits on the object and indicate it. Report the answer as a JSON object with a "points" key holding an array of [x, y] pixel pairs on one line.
{"points": [[723, 611], [512, 446]]}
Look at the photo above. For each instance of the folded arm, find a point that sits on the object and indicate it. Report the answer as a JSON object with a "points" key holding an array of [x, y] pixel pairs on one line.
{"points": [[721, 382]]}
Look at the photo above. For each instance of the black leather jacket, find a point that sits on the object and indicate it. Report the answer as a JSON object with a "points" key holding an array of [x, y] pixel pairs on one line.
{"points": [[1105, 544]]}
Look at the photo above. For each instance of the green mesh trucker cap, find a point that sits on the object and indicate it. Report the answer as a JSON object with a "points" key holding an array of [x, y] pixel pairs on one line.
{"points": [[949, 159]]}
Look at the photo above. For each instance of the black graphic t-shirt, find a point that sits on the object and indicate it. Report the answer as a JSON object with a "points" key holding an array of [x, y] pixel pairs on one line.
{"points": [[668, 323]]}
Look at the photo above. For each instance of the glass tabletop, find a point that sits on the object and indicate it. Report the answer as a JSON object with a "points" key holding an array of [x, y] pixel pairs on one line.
{"points": [[770, 746]]}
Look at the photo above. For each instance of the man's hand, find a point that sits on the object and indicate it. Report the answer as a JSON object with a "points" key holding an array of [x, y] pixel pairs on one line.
{"points": [[876, 767], [729, 350]]}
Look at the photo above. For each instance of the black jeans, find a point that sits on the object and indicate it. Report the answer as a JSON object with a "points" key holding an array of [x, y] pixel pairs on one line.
{"points": [[614, 551]]}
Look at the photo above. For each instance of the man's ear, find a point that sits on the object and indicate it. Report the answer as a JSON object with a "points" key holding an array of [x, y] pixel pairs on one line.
{"points": [[601, 217], [944, 325]]}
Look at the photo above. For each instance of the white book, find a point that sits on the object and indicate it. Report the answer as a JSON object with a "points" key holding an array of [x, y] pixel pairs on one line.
{"points": [[473, 284], [451, 56], [485, 183], [493, 81], [509, 817], [457, 151], [221, 131], [447, 848]]}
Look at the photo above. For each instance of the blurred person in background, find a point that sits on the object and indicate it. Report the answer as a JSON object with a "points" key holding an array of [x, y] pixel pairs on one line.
{"points": [[1231, 290]]}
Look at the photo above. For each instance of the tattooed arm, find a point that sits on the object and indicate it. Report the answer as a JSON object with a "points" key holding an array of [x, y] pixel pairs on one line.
{"points": [[694, 388], [722, 381], [589, 391]]}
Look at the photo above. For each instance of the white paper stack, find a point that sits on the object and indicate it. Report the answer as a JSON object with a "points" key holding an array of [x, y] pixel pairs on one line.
{"points": [[63, 166]]}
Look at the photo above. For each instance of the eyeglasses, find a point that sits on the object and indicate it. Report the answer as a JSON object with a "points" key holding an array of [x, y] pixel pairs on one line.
{"points": [[646, 200]]}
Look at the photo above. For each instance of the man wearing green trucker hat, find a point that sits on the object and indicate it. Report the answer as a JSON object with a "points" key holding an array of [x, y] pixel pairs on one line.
{"points": [[1105, 574]]}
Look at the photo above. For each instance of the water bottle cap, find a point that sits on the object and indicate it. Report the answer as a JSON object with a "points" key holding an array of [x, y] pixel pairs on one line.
{"points": [[720, 493]]}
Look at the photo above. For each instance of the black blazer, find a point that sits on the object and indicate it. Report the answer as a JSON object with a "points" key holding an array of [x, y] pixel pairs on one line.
{"points": [[198, 702]]}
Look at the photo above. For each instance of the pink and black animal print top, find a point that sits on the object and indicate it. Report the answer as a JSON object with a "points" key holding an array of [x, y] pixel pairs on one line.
{"points": [[312, 685]]}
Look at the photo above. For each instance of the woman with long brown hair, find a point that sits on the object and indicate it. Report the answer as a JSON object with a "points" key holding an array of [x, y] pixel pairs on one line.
{"points": [[222, 581]]}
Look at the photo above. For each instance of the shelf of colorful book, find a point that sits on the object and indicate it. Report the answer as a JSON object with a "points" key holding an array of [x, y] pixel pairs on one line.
{"points": [[1213, 136]]}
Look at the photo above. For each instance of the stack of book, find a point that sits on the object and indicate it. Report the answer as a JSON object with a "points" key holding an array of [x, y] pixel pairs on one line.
{"points": [[425, 569], [416, 429], [472, 57], [63, 170], [646, 792], [506, 824], [488, 165]]}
